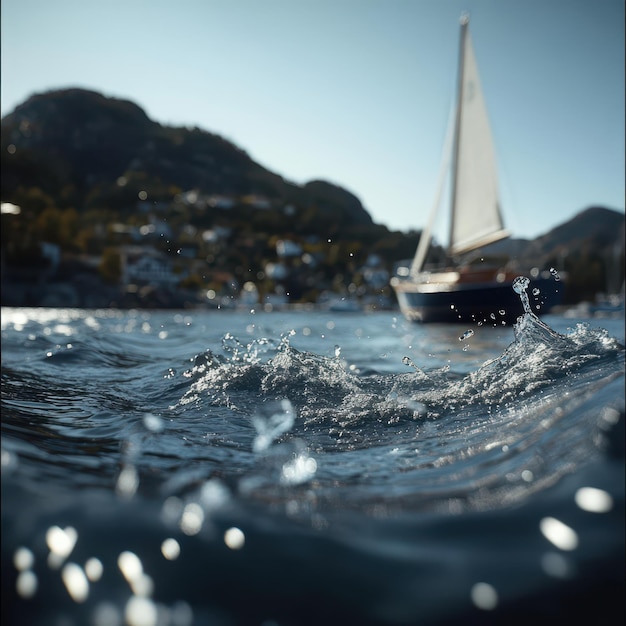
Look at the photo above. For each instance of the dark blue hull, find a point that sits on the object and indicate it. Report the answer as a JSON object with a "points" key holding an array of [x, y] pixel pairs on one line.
{"points": [[486, 303]]}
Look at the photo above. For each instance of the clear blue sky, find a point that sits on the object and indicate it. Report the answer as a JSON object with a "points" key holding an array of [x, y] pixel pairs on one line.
{"points": [[357, 92]]}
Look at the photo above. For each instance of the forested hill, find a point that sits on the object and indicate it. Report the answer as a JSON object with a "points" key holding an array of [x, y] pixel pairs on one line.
{"points": [[78, 144]]}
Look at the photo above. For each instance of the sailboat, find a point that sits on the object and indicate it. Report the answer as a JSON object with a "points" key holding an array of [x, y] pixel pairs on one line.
{"points": [[462, 291]]}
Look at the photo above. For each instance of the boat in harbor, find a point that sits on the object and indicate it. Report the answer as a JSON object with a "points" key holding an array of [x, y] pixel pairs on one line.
{"points": [[468, 289]]}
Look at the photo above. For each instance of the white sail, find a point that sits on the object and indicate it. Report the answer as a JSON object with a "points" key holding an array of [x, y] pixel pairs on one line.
{"points": [[476, 220]]}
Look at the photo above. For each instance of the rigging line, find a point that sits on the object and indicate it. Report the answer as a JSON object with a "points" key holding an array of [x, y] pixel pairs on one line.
{"points": [[426, 236]]}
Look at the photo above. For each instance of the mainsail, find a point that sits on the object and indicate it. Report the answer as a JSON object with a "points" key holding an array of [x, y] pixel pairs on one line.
{"points": [[476, 219]]}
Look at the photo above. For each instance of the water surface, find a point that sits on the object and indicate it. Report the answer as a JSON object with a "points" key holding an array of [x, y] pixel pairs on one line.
{"points": [[245, 467]]}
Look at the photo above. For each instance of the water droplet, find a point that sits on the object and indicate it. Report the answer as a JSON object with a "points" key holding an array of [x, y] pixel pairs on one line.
{"points": [[520, 284], [271, 421], [170, 549], [127, 482], [484, 596], [556, 565], [594, 500], [561, 535], [140, 610], [555, 274], [26, 584], [94, 569], [75, 582], [61, 541], [466, 335], [192, 519], [23, 559], [153, 423], [300, 470], [234, 538], [536, 291]]}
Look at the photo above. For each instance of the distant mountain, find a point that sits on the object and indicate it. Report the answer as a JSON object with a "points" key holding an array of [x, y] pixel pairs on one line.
{"points": [[591, 231], [73, 140], [594, 228]]}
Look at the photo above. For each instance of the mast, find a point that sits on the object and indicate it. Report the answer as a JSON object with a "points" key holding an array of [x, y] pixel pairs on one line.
{"points": [[475, 215], [464, 21]]}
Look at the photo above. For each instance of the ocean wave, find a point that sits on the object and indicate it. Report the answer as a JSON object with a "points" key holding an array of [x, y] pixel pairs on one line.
{"points": [[417, 485]]}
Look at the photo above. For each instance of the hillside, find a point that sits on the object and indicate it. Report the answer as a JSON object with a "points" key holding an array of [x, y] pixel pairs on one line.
{"points": [[595, 228], [78, 143], [94, 175]]}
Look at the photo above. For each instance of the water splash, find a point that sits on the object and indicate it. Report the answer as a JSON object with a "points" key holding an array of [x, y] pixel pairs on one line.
{"points": [[271, 421], [407, 361], [529, 323], [299, 470]]}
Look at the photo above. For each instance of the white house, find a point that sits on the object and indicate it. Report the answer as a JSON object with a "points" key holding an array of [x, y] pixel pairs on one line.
{"points": [[147, 266]]}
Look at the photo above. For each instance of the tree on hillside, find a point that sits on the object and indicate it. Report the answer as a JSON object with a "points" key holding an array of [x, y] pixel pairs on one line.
{"points": [[110, 267]]}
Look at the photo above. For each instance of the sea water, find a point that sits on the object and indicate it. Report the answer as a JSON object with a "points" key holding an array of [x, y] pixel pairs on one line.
{"points": [[303, 467]]}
